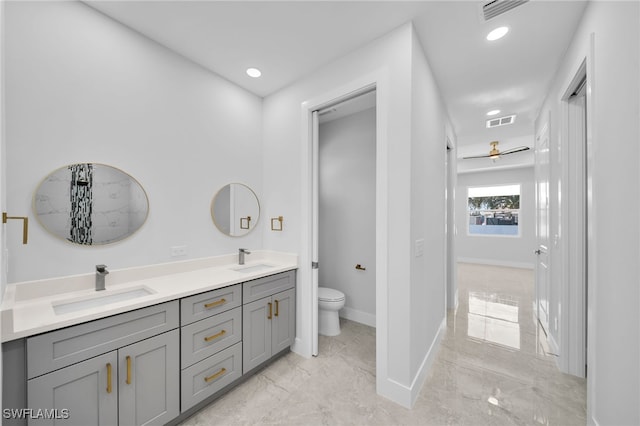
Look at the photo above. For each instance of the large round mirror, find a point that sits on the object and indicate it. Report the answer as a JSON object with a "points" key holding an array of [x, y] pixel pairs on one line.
{"points": [[235, 209], [90, 204]]}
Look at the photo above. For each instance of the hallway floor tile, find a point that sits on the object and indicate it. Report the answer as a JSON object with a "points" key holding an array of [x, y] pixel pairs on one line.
{"points": [[492, 368]]}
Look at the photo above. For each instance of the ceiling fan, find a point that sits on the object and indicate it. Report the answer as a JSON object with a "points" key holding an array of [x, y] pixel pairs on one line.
{"points": [[494, 153]]}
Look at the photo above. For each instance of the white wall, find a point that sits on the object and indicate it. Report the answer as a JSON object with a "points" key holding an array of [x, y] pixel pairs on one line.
{"points": [[81, 87], [496, 250], [613, 380], [429, 131], [347, 228], [387, 60]]}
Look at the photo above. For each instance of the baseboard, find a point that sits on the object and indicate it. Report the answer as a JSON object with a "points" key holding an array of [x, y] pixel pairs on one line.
{"points": [[358, 316], [407, 395], [300, 348], [495, 262]]}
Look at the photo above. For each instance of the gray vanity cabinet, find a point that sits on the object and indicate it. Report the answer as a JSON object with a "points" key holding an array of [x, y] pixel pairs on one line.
{"points": [[211, 343], [82, 389], [133, 379], [148, 381], [268, 324], [129, 386]]}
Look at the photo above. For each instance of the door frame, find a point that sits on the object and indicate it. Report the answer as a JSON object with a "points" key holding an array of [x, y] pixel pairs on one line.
{"points": [[451, 276], [309, 294], [576, 268]]}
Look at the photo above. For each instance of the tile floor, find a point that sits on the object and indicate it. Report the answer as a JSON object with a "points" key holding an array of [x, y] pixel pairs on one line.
{"points": [[492, 368]]}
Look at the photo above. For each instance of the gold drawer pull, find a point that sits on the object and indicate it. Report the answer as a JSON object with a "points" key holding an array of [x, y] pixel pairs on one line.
{"points": [[215, 375], [270, 311], [216, 303], [128, 370], [215, 336], [108, 377], [277, 308]]}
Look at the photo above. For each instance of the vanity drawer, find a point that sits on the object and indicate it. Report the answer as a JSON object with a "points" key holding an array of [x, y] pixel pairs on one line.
{"points": [[213, 302], [264, 287], [207, 377], [204, 338], [51, 351]]}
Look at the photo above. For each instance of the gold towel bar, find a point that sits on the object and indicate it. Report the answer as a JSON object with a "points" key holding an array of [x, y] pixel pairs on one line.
{"points": [[25, 225], [276, 223]]}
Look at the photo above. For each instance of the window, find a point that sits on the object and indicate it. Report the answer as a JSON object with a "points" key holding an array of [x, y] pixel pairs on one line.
{"points": [[494, 210]]}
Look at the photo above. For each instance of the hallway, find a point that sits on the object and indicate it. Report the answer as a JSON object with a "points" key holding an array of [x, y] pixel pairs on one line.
{"points": [[480, 377], [493, 366]]}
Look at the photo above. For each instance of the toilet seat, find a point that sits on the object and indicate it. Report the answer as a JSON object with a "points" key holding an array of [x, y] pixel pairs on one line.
{"points": [[330, 295]]}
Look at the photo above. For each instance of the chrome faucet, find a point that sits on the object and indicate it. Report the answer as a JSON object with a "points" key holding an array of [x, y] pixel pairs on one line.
{"points": [[241, 253], [101, 273]]}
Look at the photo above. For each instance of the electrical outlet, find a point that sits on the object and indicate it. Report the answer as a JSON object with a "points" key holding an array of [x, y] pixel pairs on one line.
{"points": [[177, 251]]}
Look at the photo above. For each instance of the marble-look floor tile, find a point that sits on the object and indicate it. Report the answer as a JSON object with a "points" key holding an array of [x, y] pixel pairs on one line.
{"points": [[493, 368]]}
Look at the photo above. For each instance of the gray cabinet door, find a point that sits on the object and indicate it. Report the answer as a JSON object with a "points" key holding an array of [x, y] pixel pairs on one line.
{"points": [[80, 391], [149, 381], [256, 333], [283, 325]]}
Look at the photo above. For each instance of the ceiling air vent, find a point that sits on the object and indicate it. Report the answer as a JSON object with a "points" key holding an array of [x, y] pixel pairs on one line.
{"points": [[502, 121], [498, 7]]}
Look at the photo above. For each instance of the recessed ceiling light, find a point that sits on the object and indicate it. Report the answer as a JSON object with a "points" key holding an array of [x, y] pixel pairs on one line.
{"points": [[497, 33], [494, 112], [254, 72]]}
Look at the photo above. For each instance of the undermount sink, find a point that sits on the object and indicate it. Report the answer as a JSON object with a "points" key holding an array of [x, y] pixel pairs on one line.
{"points": [[99, 300], [252, 268]]}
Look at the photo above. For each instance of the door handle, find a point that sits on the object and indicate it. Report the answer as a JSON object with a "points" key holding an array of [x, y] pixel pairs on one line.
{"points": [[538, 251]]}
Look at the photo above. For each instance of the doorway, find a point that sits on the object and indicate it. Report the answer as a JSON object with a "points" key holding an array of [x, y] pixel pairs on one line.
{"points": [[573, 357], [340, 177], [346, 204]]}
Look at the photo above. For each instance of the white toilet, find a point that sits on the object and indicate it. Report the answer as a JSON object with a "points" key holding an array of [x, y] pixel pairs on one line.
{"points": [[330, 301]]}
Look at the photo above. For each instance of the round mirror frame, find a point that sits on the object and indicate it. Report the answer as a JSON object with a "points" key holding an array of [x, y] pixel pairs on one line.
{"points": [[82, 238], [252, 222]]}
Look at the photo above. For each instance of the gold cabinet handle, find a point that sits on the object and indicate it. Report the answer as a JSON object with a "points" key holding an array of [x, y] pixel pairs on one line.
{"points": [[128, 370], [215, 336], [216, 303], [277, 308], [270, 311], [108, 377], [215, 375], [360, 267]]}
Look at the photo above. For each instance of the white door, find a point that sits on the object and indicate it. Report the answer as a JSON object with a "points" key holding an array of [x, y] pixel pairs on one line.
{"points": [[542, 226], [315, 213]]}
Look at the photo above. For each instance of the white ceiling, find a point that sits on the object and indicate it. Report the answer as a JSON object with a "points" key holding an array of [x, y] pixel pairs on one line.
{"points": [[289, 39]]}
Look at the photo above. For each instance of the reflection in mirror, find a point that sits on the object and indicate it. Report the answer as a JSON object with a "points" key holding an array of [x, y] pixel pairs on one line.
{"points": [[235, 210], [90, 204]]}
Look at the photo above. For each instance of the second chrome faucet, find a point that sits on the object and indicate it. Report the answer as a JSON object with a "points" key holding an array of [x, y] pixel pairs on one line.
{"points": [[101, 273], [241, 253]]}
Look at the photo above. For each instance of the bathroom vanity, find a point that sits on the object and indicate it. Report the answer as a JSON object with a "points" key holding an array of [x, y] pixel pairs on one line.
{"points": [[154, 357]]}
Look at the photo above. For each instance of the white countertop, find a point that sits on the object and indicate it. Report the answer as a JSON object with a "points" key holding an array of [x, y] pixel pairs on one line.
{"points": [[27, 307]]}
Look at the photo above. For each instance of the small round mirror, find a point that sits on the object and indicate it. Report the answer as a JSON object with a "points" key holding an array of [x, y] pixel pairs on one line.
{"points": [[235, 210], [90, 204]]}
